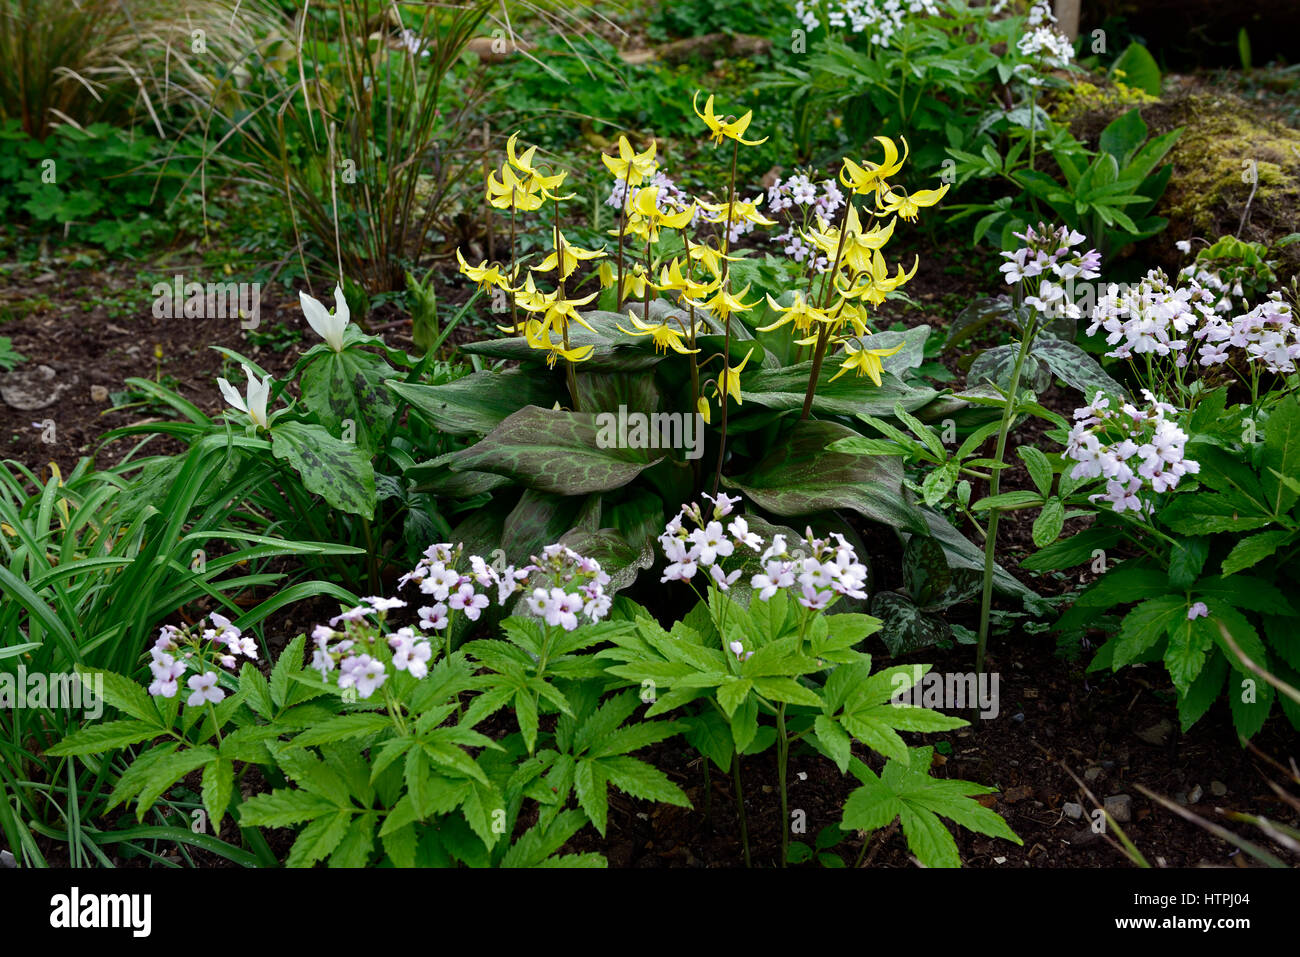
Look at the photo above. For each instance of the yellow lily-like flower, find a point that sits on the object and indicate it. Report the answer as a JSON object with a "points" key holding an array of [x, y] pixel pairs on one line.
{"points": [[572, 256], [605, 274], [712, 259], [859, 246], [530, 299], [648, 219], [737, 212], [799, 312], [703, 408], [672, 279], [483, 274], [870, 177], [538, 336], [560, 311], [908, 205], [730, 384], [866, 361], [510, 191], [635, 281], [630, 166], [665, 335], [878, 282], [533, 177], [734, 130], [723, 303]]}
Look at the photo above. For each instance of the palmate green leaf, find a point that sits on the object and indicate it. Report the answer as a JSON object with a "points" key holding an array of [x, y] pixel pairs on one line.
{"points": [[710, 734], [343, 727], [98, 738], [476, 404], [1253, 549], [589, 787], [1281, 455], [1146, 625], [349, 385], [483, 808], [319, 838], [553, 451], [123, 694], [1189, 643], [1206, 514], [905, 790], [1073, 551], [835, 740], [283, 807], [313, 775], [639, 779], [338, 471], [163, 774], [357, 845], [1204, 691], [218, 783], [800, 477], [732, 692]]}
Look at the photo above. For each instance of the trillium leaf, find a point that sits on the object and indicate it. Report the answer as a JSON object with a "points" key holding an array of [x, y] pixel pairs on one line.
{"points": [[339, 472], [348, 386]]}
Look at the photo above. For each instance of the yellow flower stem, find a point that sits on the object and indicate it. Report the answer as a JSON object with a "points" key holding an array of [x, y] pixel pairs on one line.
{"points": [[570, 376], [514, 306], [726, 338], [622, 224], [823, 335], [649, 271]]}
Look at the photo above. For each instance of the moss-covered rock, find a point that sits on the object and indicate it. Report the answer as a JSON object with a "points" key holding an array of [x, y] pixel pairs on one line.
{"points": [[1225, 139]]}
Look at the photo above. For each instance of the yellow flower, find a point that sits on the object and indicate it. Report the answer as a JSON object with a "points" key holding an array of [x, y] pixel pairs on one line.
{"points": [[483, 274], [734, 130], [572, 255], [605, 274], [631, 167], [702, 407], [533, 177], [665, 335], [906, 205], [871, 176], [866, 361], [710, 257], [878, 282], [510, 190], [634, 282], [730, 384], [538, 336], [560, 311], [648, 219], [723, 303], [671, 278], [799, 312], [740, 211], [859, 246], [528, 298]]}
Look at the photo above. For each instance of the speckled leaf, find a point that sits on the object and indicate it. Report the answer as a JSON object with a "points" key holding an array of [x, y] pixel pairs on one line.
{"points": [[554, 451], [337, 471], [339, 386], [799, 477], [904, 627]]}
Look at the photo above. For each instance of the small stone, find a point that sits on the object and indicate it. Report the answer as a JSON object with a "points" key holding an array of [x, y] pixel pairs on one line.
{"points": [[1091, 775], [1085, 836], [1120, 807], [34, 387], [1018, 717], [7, 860], [1218, 788], [1073, 811], [98, 393], [1158, 733], [1195, 794], [999, 860], [802, 775]]}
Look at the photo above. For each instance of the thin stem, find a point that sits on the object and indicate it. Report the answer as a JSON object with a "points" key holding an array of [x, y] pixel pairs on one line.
{"points": [[740, 808], [990, 542], [782, 761], [726, 338]]}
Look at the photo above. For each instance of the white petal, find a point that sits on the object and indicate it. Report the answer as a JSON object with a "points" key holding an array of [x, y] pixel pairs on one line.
{"points": [[231, 396], [318, 316]]}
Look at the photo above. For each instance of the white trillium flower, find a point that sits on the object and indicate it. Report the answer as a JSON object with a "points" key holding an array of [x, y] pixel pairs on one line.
{"points": [[255, 404], [329, 326]]}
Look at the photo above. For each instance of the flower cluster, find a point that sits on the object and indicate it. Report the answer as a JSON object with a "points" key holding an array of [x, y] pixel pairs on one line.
{"points": [[1042, 42], [1268, 333], [815, 573], [562, 585], [1048, 255], [1129, 447], [349, 644], [669, 198], [1151, 316], [810, 200], [197, 648], [879, 19]]}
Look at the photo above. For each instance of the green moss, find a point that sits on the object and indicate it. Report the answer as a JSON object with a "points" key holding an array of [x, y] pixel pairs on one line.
{"points": [[1083, 98]]}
